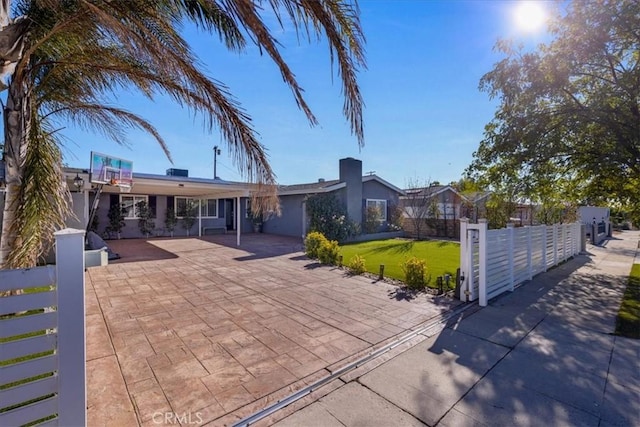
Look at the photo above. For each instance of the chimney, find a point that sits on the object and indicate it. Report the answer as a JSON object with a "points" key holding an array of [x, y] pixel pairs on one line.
{"points": [[351, 175], [320, 179]]}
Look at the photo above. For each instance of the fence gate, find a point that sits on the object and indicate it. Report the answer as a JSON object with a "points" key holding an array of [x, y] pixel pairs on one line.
{"points": [[469, 260], [495, 261], [42, 340]]}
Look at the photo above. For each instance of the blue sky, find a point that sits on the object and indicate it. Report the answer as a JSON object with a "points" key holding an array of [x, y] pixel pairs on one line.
{"points": [[424, 114]]}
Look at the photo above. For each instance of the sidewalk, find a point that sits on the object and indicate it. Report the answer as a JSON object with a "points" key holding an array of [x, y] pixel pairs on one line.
{"points": [[540, 356]]}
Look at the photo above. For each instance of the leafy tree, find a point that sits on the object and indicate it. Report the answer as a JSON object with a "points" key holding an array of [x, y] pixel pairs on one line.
{"points": [[170, 220], [145, 219], [433, 213], [189, 215], [499, 209], [327, 215], [568, 121], [64, 62], [116, 219]]}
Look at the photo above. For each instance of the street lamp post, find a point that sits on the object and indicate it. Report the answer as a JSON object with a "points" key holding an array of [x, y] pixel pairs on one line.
{"points": [[216, 151]]}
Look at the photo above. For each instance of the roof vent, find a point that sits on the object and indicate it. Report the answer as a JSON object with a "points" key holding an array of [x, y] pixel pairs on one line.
{"points": [[320, 179]]}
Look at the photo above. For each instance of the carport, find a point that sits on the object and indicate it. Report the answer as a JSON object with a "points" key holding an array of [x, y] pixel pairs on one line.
{"points": [[150, 185], [198, 188]]}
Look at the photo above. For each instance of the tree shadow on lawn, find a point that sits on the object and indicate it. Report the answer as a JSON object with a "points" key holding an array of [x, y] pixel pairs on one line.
{"points": [[443, 243], [393, 248]]}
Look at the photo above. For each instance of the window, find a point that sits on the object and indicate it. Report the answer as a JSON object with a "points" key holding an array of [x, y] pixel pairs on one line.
{"points": [[381, 205], [247, 210], [181, 206], [130, 205], [209, 207]]}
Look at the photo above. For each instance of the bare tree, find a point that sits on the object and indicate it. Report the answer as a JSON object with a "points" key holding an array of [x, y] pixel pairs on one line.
{"points": [[418, 205]]}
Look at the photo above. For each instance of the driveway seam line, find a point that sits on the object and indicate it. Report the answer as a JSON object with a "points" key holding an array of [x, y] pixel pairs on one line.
{"points": [[337, 374]]}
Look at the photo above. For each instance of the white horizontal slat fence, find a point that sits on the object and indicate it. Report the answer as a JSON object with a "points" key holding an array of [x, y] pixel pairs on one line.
{"points": [[42, 339], [495, 261]]}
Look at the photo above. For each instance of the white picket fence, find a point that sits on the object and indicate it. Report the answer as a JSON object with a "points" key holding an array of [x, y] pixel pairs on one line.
{"points": [[495, 261], [42, 348]]}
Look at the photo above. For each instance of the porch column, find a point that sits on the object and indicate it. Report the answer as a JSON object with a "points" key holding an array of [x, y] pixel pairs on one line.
{"points": [[304, 219], [238, 220], [199, 217]]}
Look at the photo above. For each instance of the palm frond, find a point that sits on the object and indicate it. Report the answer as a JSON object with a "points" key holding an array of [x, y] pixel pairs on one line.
{"points": [[43, 200]]}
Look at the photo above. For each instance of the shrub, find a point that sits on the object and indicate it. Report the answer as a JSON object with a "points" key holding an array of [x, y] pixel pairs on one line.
{"points": [[414, 272], [372, 220], [328, 215], [312, 243], [357, 265], [396, 218], [328, 252]]}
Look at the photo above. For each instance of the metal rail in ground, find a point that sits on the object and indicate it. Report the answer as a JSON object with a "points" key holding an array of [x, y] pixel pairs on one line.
{"points": [[274, 407]]}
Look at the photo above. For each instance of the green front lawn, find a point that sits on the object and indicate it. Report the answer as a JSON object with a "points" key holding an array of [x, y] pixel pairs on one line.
{"points": [[628, 322], [441, 257]]}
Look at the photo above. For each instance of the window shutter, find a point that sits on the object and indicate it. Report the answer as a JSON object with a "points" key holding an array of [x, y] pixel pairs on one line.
{"points": [[152, 206], [114, 199], [170, 202]]}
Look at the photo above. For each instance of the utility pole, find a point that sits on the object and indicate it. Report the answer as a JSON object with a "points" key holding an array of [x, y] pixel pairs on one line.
{"points": [[216, 152]]}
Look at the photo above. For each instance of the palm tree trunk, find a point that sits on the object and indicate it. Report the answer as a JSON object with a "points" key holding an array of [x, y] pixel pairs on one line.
{"points": [[7, 240], [17, 117]]}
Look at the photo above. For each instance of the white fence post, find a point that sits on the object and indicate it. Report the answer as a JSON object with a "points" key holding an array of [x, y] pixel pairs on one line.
{"points": [[510, 234], [563, 227], [482, 247], [72, 395], [529, 253], [464, 259], [555, 244]]}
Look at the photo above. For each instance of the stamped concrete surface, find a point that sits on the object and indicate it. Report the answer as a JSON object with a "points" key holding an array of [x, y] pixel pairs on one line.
{"points": [[543, 355], [203, 332]]}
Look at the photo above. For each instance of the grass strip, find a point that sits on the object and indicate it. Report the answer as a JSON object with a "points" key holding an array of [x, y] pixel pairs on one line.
{"points": [[628, 321]]}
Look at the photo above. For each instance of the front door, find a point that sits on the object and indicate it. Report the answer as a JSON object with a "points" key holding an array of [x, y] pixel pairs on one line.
{"points": [[229, 214]]}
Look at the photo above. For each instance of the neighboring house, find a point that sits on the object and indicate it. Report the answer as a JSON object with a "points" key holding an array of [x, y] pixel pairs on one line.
{"points": [[525, 214], [432, 211], [435, 211], [354, 190], [474, 205]]}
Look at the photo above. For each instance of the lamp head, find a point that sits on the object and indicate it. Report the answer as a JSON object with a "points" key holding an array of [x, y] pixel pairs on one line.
{"points": [[78, 182]]}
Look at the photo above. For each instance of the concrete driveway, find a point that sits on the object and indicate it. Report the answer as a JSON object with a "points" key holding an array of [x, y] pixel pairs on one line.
{"points": [[200, 331]]}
